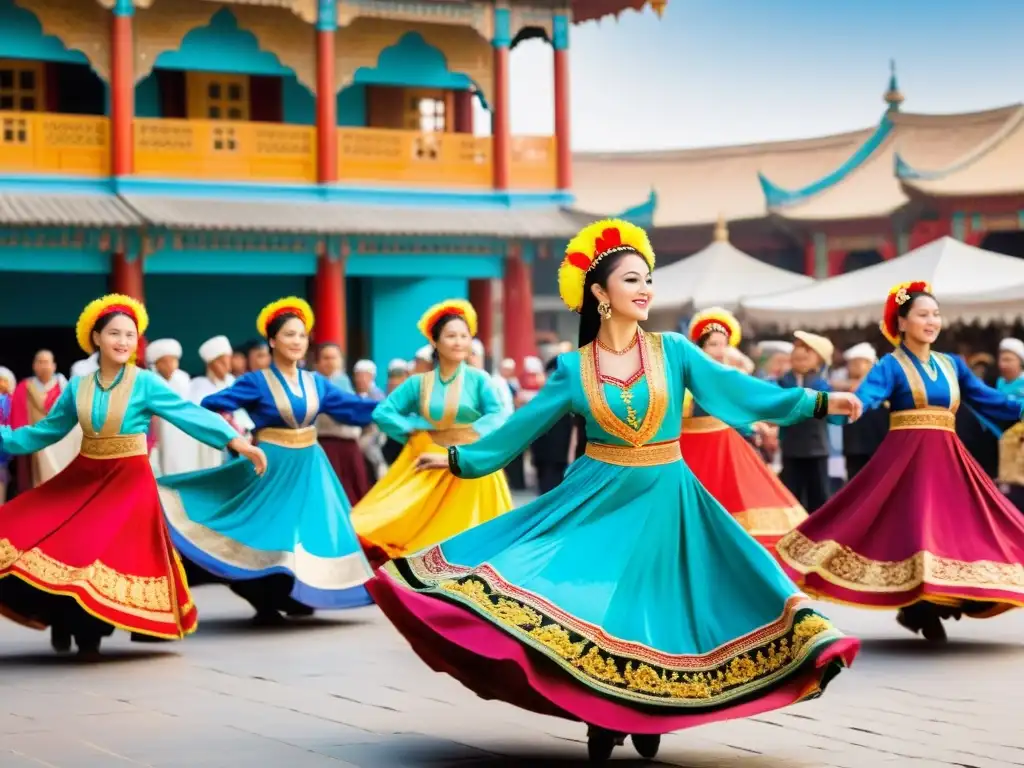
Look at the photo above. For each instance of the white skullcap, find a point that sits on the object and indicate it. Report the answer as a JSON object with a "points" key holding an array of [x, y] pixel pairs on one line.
{"points": [[213, 348], [775, 347], [477, 347], [411, 366], [533, 365], [365, 366], [508, 362], [90, 365], [8, 374], [1012, 345], [162, 348], [397, 366], [425, 354], [862, 351]]}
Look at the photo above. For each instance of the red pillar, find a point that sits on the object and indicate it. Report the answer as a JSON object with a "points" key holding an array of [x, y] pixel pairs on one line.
{"points": [[329, 298], [836, 262], [563, 139], [126, 276], [517, 308], [464, 111], [810, 259], [326, 107], [501, 121], [122, 91], [887, 250], [481, 296]]}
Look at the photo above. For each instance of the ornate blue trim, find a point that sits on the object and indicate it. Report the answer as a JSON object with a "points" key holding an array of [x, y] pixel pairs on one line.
{"points": [[777, 197], [560, 32], [124, 8], [643, 214], [502, 28], [327, 15]]}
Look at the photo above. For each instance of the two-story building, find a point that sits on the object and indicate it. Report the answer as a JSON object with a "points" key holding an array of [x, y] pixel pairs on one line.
{"points": [[210, 156]]}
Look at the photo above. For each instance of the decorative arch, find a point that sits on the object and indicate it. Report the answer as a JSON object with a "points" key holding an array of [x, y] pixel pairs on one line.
{"points": [[414, 63], [530, 33], [36, 29], [237, 50]]}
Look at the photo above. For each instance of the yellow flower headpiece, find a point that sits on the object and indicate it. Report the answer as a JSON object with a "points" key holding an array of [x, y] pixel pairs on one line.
{"points": [[290, 305], [898, 296], [114, 302], [716, 319], [449, 307], [592, 244]]}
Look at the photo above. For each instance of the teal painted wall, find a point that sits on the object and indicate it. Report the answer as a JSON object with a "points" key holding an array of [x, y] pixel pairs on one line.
{"points": [[298, 104], [45, 299], [395, 306], [21, 37], [51, 260], [414, 63], [147, 98], [222, 46], [352, 106], [192, 308], [222, 263]]}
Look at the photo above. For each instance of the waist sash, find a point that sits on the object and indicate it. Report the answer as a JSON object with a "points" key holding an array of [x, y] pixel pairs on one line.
{"points": [[454, 436], [286, 437], [696, 424], [923, 418], [650, 455], [113, 446]]}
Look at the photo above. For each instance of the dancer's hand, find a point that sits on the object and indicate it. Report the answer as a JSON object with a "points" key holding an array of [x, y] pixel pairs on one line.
{"points": [[251, 452], [845, 404], [427, 461]]}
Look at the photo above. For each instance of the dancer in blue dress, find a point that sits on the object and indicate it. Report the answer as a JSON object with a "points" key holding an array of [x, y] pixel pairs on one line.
{"points": [[284, 541], [627, 597]]}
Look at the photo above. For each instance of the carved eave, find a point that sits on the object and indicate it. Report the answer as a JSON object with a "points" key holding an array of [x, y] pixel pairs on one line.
{"points": [[304, 9]]}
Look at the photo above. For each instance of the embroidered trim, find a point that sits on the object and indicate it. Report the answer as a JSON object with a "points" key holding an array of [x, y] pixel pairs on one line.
{"points": [[304, 437], [114, 446], [278, 391], [770, 521], [917, 388], [452, 398], [651, 455], [117, 406], [693, 425], [924, 418], [949, 371]]}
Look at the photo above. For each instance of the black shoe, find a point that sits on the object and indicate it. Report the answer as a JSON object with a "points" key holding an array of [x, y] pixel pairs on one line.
{"points": [[138, 637], [88, 647], [933, 631], [60, 640], [601, 743], [268, 619], [646, 744], [293, 609]]}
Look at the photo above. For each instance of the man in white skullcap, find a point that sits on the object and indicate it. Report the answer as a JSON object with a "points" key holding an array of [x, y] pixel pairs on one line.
{"points": [[424, 360], [173, 452], [1011, 367], [1011, 442], [774, 357], [398, 372], [476, 354], [330, 363], [364, 380], [217, 354], [862, 438]]}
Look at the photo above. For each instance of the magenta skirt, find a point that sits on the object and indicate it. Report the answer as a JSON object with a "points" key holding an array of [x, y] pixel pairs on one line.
{"points": [[348, 463], [921, 522]]}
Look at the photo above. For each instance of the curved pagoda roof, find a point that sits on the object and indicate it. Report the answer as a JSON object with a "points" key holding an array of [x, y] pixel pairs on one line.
{"points": [[585, 10]]}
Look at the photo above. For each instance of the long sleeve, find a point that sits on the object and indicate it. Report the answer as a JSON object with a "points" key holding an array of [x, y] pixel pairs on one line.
{"points": [[62, 419], [987, 402], [739, 399], [494, 412], [398, 416], [498, 448], [195, 421], [244, 393], [345, 407], [877, 386]]}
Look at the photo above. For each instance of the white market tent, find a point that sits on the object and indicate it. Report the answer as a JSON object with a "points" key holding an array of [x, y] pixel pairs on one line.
{"points": [[965, 280], [720, 275]]}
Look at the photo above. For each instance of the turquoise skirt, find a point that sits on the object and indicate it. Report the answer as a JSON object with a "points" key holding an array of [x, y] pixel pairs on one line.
{"points": [[294, 520]]}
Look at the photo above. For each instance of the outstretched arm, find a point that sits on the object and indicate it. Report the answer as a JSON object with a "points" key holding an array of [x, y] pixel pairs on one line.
{"points": [[197, 422], [398, 416], [987, 402], [62, 419], [345, 407]]}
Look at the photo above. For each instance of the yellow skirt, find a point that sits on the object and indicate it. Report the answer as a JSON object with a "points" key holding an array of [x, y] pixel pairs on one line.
{"points": [[408, 510]]}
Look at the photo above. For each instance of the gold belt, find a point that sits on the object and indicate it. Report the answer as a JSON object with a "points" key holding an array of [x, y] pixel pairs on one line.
{"points": [[651, 455], [113, 446], [304, 437], [923, 418], [695, 424], [454, 436]]}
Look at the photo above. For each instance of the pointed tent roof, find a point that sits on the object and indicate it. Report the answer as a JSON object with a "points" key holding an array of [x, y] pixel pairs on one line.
{"points": [[960, 274], [720, 275]]}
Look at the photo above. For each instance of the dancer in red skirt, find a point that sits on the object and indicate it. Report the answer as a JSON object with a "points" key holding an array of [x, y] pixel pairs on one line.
{"points": [[921, 528], [720, 456], [88, 550]]}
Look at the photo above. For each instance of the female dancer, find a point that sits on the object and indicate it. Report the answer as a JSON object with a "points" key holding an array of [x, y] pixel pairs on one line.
{"points": [[921, 527], [723, 461], [453, 404], [626, 598], [284, 543], [88, 548]]}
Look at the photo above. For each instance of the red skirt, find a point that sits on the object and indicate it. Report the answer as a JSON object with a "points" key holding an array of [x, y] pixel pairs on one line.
{"points": [[96, 533], [921, 522], [730, 469], [347, 461]]}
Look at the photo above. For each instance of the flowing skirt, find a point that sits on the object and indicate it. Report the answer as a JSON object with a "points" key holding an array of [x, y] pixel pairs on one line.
{"points": [[626, 598], [408, 510], [292, 523], [348, 463], [921, 522], [731, 470], [94, 534]]}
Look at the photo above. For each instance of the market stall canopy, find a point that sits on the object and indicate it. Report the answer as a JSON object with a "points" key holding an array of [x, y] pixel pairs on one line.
{"points": [[961, 276], [720, 275]]}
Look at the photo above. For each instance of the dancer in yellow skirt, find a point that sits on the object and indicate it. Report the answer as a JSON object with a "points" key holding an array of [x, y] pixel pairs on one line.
{"points": [[453, 404]]}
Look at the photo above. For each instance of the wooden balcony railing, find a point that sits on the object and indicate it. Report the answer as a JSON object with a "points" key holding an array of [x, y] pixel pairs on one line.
{"points": [[383, 156], [41, 142], [225, 151], [533, 162]]}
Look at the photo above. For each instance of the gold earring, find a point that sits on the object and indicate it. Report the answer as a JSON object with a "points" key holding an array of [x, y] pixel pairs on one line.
{"points": [[604, 309]]}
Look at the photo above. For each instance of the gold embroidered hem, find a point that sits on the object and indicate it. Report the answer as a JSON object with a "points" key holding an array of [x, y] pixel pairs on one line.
{"points": [[843, 567], [113, 446], [627, 670], [770, 521], [652, 455], [304, 437], [454, 436], [923, 418], [694, 425]]}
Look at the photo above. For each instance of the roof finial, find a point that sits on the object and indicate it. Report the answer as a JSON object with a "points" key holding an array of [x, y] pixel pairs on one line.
{"points": [[893, 97], [721, 230]]}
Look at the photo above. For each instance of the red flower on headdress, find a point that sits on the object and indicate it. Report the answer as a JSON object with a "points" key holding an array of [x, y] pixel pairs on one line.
{"points": [[608, 239], [899, 295]]}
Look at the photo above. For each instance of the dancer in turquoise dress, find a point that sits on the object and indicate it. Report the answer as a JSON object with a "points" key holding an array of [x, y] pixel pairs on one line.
{"points": [[627, 597], [284, 541]]}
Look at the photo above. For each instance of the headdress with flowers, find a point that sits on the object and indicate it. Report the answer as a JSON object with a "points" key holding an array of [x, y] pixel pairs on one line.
{"points": [[593, 243], [108, 305], [290, 305], [715, 319], [457, 307], [898, 296]]}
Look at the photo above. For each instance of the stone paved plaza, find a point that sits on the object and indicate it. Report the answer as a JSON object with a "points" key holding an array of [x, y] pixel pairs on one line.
{"points": [[346, 691]]}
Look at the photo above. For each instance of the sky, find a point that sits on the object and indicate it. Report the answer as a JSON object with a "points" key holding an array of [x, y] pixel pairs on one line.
{"points": [[714, 72]]}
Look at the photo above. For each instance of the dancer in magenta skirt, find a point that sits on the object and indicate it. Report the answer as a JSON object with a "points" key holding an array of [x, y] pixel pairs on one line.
{"points": [[921, 528]]}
